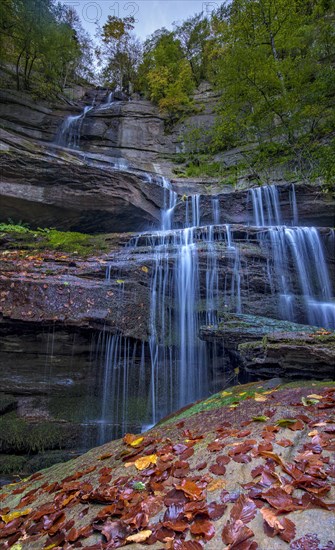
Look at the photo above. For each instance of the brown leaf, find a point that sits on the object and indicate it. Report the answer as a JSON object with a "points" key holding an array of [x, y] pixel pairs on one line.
{"points": [[235, 533], [244, 509], [190, 488], [203, 528], [217, 469]]}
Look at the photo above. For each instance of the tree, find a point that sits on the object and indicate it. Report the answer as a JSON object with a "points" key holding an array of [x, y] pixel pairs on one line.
{"points": [[166, 74], [269, 63], [121, 53], [194, 34]]}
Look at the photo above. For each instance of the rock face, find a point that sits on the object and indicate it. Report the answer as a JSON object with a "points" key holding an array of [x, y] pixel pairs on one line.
{"points": [[263, 347], [216, 465], [315, 206], [48, 189]]}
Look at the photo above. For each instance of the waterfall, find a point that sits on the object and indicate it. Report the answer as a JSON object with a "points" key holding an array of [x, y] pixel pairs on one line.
{"points": [[302, 247], [266, 206], [69, 133]]}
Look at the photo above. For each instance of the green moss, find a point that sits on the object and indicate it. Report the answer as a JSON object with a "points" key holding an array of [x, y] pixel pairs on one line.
{"points": [[11, 464], [51, 239], [22, 436]]}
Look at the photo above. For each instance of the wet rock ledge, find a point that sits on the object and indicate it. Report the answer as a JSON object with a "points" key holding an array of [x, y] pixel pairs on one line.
{"points": [[264, 347]]}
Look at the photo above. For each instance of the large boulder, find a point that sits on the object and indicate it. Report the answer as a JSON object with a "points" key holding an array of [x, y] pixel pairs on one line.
{"points": [[250, 467]]}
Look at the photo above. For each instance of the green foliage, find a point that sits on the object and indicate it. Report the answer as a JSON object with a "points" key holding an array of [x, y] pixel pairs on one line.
{"points": [[15, 228], [45, 42], [165, 74], [271, 59], [120, 53]]}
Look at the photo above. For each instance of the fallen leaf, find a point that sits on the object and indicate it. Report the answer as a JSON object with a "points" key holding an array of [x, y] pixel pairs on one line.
{"points": [[139, 537], [145, 461], [13, 515]]}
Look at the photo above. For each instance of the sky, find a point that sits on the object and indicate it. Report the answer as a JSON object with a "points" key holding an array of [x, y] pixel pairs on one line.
{"points": [[150, 15]]}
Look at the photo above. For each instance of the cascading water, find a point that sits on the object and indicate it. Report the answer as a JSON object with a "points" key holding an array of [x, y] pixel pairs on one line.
{"points": [[301, 246], [70, 130]]}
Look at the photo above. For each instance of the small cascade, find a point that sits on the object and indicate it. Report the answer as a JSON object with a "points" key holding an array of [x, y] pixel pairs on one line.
{"points": [[308, 290], [69, 133], [170, 201], [121, 386], [266, 206]]}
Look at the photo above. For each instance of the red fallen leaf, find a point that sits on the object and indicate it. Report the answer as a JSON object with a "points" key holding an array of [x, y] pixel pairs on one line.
{"points": [[243, 433], [179, 448], [187, 454], [203, 528], [44, 510], [56, 540], [236, 534], [35, 476], [181, 424], [283, 527], [75, 534], [215, 446], [223, 460], [193, 508], [285, 442], [217, 469], [105, 456], [201, 466], [177, 525], [175, 497], [192, 437], [309, 500], [106, 512], [152, 505], [308, 542], [53, 487], [190, 488], [298, 425], [104, 480], [255, 472], [216, 510], [243, 459], [242, 448], [244, 509], [113, 530], [103, 494], [11, 527], [187, 545], [279, 499]]}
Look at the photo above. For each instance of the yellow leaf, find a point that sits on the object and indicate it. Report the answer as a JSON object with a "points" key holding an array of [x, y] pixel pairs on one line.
{"points": [[50, 546], [137, 441], [13, 515], [16, 546], [260, 398], [145, 269], [226, 393], [243, 393], [315, 396], [145, 461], [139, 537], [313, 433], [216, 484]]}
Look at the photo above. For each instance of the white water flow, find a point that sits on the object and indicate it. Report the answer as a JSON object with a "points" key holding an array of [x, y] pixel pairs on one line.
{"points": [[300, 269], [69, 133], [186, 293]]}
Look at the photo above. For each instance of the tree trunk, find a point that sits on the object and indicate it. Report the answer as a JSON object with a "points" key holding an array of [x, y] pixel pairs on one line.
{"points": [[18, 70]]}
